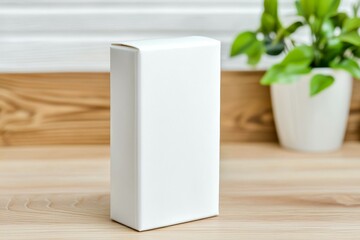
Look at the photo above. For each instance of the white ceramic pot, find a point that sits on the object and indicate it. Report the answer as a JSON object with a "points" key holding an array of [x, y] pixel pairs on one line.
{"points": [[312, 124]]}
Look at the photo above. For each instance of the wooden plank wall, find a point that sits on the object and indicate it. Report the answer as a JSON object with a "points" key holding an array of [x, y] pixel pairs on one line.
{"points": [[73, 108]]}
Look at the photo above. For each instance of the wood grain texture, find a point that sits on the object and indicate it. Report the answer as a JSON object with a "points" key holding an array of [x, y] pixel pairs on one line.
{"points": [[73, 108], [54, 108], [62, 192]]}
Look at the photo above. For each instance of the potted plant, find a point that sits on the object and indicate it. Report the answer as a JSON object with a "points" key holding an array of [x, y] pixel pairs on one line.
{"points": [[311, 87]]}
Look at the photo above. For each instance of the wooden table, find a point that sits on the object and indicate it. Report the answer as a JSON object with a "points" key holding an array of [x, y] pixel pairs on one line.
{"points": [[266, 193]]}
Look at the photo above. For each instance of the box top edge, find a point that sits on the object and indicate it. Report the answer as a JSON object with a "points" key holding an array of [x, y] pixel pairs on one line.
{"points": [[166, 43]]}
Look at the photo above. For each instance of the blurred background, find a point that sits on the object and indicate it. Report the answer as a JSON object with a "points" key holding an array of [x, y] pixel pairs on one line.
{"points": [[54, 63]]}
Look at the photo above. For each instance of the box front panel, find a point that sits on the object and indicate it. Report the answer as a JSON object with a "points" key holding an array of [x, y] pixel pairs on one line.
{"points": [[179, 118]]}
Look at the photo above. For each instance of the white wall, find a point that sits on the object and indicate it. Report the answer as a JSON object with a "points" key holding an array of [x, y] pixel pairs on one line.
{"points": [[74, 35]]}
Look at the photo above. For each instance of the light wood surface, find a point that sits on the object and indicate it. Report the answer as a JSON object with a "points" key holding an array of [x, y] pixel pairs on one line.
{"points": [[62, 192], [73, 108]]}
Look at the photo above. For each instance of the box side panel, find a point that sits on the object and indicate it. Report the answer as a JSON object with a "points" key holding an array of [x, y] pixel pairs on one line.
{"points": [[179, 135], [123, 200]]}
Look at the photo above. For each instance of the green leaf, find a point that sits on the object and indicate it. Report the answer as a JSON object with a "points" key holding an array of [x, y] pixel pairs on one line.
{"points": [[302, 55], [247, 43], [270, 7], [348, 65], [356, 52], [296, 69], [299, 10], [326, 7], [318, 8], [280, 73], [293, 27], [351, 24], [355, 8], [242, 43], [333, 48], [267, 23], [288, 70], [275, 74], [319, 83], [350, 37], [255, 52], [316, 24], [338, 19], [307, 7]]}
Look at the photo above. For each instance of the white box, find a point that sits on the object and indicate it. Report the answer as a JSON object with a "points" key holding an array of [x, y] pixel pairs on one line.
{"points": [[165, 119]]}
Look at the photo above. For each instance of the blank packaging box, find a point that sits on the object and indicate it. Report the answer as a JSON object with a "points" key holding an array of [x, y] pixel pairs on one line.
{"points": [[165, 117]]}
